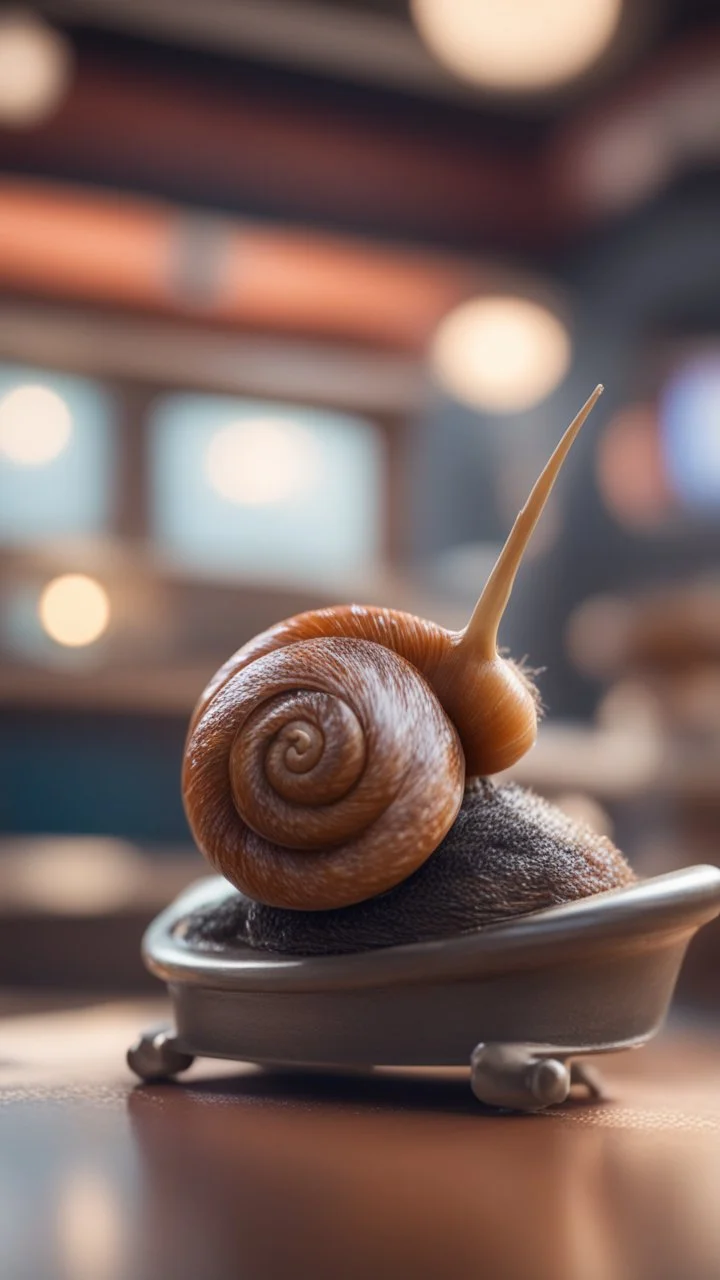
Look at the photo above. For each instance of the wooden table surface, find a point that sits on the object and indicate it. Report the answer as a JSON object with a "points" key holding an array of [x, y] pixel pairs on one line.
{"points": [[237, 1173]]}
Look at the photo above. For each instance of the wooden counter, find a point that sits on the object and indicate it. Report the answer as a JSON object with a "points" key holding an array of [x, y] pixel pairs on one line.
{"points": [[239, 1174]]}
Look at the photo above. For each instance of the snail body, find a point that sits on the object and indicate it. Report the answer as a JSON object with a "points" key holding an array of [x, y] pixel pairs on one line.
{"points": [[507, 853], [326, 760]]}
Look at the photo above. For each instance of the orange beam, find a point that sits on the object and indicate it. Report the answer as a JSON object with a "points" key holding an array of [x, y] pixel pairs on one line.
{"points": [[126, 252]]}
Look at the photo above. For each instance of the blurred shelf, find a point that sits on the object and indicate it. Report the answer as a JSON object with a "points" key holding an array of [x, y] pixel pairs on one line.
{"points": [[169, 354], [172, 626], [88, 875], [159, 690], [73, 909], [617, 765]]}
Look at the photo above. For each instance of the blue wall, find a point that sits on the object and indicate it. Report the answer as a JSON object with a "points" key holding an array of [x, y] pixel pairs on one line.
{"points": [[92, 773]]}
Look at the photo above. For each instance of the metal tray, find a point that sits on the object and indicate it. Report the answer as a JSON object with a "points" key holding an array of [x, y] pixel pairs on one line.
{"points": [[518, 1001]]}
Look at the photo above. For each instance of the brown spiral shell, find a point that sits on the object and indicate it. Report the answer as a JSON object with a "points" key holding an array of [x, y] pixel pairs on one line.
{"points": [[321, 773], [490, 701]]}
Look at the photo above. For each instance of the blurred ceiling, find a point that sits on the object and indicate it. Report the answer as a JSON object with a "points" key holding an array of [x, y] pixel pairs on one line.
{"points": [[334, 114], [289, 195], [364, 40]]}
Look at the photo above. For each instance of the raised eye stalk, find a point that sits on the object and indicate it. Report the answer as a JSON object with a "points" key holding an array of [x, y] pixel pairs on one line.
{"points": [[489, 698], [480, 634]]}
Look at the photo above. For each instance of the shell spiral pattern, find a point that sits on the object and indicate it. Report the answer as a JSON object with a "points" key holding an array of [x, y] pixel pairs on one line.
{"points": [[322, 773]]}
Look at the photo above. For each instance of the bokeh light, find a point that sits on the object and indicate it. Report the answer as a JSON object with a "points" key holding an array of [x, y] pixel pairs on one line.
{"points": [[260, 462], [597, 635], [89, 1237], [35, 69], [75, 875], [501, 354], [517, 44], [35, 425], [74, 610], [631, 471], [690, 428]]}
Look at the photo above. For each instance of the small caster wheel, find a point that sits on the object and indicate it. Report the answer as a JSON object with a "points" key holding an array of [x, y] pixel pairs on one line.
{"points": [[155, 1056], [518, 1077], [549, 1082]]}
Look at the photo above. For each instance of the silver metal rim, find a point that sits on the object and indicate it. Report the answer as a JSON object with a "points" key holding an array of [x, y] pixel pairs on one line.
{"points": [[677, 903]]}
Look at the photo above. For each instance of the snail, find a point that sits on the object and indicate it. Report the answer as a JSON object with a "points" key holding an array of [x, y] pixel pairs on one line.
{"points": [[328, 760]]}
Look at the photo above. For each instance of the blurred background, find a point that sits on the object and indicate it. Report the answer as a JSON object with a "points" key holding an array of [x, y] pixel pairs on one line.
{"points": [[297, 296]]}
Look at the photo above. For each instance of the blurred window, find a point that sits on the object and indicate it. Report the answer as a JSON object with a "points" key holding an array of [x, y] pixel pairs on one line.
{"points": [[55, 455], [690, 427], [265, 490]]}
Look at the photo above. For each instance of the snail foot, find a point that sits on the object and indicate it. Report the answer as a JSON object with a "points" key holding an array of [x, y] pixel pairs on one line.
{"points": [[155, 1055]]}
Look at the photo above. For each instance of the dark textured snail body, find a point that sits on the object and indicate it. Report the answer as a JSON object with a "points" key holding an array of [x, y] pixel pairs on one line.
{"points": [[327, 759], [507, 853]]}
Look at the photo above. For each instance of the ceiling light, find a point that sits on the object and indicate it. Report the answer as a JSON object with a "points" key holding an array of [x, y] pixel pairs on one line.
{"points": [[35, 69], [516, 44], [500, 354], [261, 461], [74, 610], [35, 425]]}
